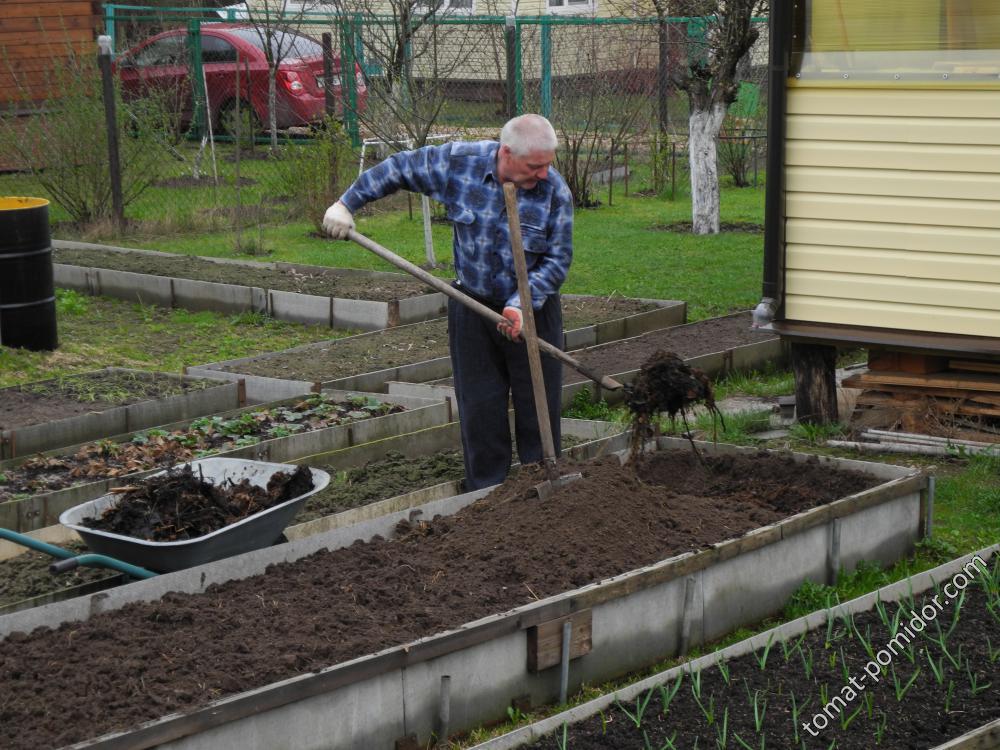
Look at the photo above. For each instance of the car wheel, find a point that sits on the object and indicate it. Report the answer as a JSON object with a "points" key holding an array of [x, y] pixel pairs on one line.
{"points": [[249, 121]]}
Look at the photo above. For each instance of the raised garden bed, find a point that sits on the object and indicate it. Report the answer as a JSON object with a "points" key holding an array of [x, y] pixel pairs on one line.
{"points": [[897, 671], [419, 352], [48, 414], [320, 637], [34, 492], [339, 298], [383, 476], [717, 346]]}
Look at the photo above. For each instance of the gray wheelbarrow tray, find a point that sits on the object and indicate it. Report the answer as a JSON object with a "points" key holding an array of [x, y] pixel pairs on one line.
{"points": [[254, 532]]}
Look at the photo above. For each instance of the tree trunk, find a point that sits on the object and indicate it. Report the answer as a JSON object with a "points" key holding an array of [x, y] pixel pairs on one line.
{"points": [[272, 105], [815, 366], [703, 131]]}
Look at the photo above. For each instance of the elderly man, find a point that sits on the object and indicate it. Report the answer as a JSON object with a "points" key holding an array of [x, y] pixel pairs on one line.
{"points": [[490, 362]]}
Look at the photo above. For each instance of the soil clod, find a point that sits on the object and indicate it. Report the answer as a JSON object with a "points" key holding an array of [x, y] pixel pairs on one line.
{"points": [[666, 384], [181, 505]]}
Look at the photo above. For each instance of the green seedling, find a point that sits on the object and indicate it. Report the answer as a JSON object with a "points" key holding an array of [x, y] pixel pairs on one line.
{"points": [[762, 657], [667, 694], [866, 641], [668, 742], [974, 684], [994, 655], [640, 708], [900, 688], [787, 650], [796, 713], [708, 711], [948, 695], [807, 661], [696, 684], [845, 720], [759, 711], [937, 668], [723, 669], [880, 727], [562, 741], [746, 745], [869, 704], [844, 669], [722, 731]]}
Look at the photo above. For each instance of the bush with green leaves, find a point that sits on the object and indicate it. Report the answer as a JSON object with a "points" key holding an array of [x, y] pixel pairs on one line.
{"points": [[63, 143]]}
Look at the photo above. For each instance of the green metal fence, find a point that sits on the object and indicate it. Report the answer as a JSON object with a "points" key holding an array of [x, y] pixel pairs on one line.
{"points": [[386, 83]]}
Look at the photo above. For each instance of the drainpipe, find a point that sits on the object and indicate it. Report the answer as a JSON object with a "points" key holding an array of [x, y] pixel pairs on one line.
{"points": [[774, 197]]}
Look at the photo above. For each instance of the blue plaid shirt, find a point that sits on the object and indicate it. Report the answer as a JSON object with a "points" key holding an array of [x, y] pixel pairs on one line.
{"points": [[463, 177]]}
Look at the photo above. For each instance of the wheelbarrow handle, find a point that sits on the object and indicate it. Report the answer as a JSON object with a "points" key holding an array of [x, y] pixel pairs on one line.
{"points": [[444, 287]]}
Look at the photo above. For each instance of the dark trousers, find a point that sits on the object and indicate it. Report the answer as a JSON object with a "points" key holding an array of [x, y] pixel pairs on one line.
{"points": [[488, 369]]}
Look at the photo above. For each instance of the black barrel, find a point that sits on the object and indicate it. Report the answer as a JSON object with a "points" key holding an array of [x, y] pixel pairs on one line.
{"points": [[27, 294]]}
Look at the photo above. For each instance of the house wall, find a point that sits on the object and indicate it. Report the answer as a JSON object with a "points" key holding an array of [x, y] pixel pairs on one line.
{"points": [[35, 35], [893, 206]]}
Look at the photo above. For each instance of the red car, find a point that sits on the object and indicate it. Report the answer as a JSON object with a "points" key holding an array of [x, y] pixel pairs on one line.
{"points": [[162, 63]]}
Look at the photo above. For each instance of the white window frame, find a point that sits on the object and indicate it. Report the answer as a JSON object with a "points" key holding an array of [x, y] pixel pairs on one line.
{"points": [[446, 9], [566, 8]]}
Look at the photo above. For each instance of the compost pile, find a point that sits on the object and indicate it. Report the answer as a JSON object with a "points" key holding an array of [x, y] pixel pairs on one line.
{"points": [[665, 384], [181, 505]]}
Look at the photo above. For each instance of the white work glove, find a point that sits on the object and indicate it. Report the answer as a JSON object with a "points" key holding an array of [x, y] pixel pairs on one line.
{"points": [[511, 330], [338, 221]]}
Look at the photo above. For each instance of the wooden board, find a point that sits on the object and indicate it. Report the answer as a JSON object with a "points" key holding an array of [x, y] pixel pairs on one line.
{"points": [[545, 640], [882, 360], [974, 365], [950, 380]]}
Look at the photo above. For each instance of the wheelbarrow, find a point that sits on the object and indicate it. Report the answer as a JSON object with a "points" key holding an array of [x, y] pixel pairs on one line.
{"points": [[141, 558]]}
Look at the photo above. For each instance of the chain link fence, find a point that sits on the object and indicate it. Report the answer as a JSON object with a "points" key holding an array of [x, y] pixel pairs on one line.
{"points": [[235, 122]]}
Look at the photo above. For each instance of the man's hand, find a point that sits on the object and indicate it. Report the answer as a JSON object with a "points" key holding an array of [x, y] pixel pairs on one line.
{"points": [[338, 221], [511, 329]]}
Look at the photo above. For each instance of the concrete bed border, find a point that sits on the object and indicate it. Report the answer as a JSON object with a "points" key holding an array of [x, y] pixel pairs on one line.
{"points": [[638, 618], [192, 294], [915, 584], [31, 439], [43, 509]]}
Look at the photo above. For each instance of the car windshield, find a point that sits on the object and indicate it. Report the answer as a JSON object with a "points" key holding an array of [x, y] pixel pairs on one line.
{"points": [[284, 44]]}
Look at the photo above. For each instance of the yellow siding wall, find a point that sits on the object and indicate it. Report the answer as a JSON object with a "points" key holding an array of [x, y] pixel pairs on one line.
{"points": [[893, 208]]}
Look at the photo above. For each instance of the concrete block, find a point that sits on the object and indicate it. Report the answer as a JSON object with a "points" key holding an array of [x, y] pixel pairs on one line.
{"points": [[135, 287], [359, 314], [307, 309], [208, 295], [424, 307]]}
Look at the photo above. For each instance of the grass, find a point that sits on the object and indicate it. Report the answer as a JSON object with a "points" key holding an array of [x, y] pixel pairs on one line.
{"points": [[97, 332]]}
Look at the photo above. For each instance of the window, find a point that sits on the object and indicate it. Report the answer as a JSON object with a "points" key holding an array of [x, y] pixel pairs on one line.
{"points": [[571, 6], [169, 51], [216, 50], [285, 44], [897, 39], [463, 7]]}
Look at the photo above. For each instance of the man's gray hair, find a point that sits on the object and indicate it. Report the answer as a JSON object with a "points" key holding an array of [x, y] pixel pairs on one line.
{"points": [[528, 133]]}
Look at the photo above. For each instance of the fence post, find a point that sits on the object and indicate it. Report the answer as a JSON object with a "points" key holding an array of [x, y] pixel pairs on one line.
{"points": [[109, 26], [111, 124], [329, 105], [510, 41], [546, 62], [348, 80], [196, 77], [663, 75]]}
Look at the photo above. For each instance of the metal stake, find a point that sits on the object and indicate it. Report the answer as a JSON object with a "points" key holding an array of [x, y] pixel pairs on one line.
{"points": [[567, 633]]}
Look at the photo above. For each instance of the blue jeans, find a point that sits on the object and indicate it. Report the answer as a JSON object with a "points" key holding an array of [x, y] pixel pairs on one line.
{"points": [[488, 370]]}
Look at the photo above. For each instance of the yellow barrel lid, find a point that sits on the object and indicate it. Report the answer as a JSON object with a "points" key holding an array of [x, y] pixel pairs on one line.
{"points": [[14, 202]]}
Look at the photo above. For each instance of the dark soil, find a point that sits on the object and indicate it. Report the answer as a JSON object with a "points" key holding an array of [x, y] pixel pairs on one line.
{"points": [[71, 396], [914, 720], [394, 347], [703, 337], [319, 281], [147, 660], [154, 448], [27, 575], [181, 505]]}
